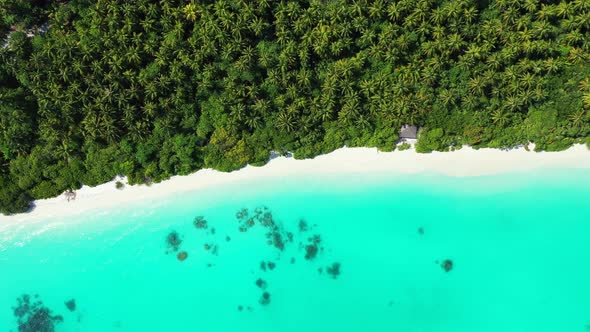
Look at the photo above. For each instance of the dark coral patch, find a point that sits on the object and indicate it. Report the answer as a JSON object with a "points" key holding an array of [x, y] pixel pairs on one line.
{"points": [[200, 222], [447, 265], [303, 226], [260, 283], [242, 214], [173, 241], [265, 298], [311, 251], [34, 316], [313, 247], [334, 270], [71, 305]]}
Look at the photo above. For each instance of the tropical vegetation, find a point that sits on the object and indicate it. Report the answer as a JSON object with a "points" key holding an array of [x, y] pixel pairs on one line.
{"points": [[150, 89]]}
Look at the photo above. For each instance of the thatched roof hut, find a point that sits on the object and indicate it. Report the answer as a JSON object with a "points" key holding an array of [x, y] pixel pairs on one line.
{"points": [[408, 132]]}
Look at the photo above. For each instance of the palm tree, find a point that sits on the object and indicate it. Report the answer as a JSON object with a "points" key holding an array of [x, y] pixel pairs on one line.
{"points": [[190, 12], [546, 12], [455, 42], [238, 112], [551, 65], [539, 93], [64, 149], [564, 9], [447, 97], [285, 121], [253, 121], [348, 113], [429, 75], [395, 12], [577, 118], [512, 103], [470, 14], [476, 85], [500, 117], [376, 9], [527, 80], [362, 122], [110, 131], [584, 85], [586, 100], [304, 78], [531, 5], [469, 102], [574, 37], [577, 56]]}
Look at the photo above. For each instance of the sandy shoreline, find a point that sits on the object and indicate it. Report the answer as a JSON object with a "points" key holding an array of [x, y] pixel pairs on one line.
{"points": [[461, 163]]}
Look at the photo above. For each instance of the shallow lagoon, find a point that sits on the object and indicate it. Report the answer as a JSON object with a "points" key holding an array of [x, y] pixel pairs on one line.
{"points": [[518, 244]]}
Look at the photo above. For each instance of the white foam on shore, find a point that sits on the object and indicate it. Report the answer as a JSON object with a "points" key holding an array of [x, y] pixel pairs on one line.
{"points": [[460, 163]]}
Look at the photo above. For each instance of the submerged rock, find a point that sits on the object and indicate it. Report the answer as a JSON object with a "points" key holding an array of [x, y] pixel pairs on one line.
{"points": [[421, 230], [271, 265], [71, 305], [447, 265], [182, 255]]}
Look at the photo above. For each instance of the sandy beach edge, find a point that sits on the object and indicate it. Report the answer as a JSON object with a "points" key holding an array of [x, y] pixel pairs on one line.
{"points": [[460, 163]]}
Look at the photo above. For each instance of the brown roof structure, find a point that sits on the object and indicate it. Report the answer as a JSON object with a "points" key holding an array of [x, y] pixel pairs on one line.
{"points": [[408, 132]]}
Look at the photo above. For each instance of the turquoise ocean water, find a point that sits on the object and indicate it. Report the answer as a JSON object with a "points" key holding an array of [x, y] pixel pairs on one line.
{"points": [[519, 246]]}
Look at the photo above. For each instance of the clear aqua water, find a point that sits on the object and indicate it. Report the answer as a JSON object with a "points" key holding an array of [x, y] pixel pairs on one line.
{"points": [[519, 243]]}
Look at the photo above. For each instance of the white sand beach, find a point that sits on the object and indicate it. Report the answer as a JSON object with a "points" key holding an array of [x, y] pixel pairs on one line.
{"points": [[460, 163]]}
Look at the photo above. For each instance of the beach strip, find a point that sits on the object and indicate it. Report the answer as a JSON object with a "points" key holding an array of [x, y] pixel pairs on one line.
{"points": [[460, 163]]}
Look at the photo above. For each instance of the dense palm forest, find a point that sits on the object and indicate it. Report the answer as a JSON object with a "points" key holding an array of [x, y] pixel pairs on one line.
{"points": [[150, 89]]}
